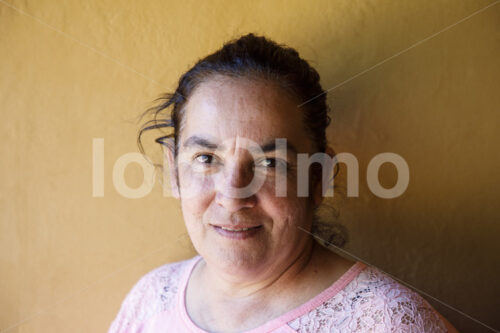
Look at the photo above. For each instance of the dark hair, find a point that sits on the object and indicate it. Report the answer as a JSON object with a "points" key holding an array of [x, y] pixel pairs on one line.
{"points": [[249, 56]]}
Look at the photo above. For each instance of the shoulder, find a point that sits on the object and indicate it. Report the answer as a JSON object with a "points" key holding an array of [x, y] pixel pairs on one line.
{"points": [[372, 301], [403, 308], [154, 293]]}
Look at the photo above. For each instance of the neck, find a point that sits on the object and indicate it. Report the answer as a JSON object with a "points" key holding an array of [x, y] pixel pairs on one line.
{"points": [[223, 287], [210, 297]]}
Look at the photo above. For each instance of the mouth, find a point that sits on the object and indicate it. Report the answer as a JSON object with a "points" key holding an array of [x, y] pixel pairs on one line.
{"points": [[235, 228], [237, 232]]}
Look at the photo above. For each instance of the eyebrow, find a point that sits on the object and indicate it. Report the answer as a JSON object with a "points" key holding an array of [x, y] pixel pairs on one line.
{"points": [[271, 146], [199, 141], [205, 143]]}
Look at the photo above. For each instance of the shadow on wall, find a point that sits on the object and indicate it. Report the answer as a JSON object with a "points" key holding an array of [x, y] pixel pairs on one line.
{"points": [[434, 105]]}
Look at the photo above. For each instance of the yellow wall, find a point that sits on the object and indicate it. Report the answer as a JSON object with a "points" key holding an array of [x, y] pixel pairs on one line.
{"points": [[71, 71]]}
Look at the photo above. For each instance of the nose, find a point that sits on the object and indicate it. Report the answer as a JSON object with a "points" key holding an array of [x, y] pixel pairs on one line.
{"points": [[234, 190]]}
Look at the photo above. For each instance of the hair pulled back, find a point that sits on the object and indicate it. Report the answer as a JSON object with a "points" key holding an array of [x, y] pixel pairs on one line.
{"points": [[249, 56]]}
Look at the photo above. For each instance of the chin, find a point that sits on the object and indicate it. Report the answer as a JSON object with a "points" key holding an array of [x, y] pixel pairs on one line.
{"points": [[237, 261]]}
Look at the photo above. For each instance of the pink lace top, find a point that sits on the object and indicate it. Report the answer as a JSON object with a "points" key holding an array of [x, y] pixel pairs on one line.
{"points": [[362, 300]]}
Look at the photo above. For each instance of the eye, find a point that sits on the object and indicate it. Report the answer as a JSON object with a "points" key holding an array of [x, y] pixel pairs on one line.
{"points": [[272, 163], [204, 159], [268, 162]]}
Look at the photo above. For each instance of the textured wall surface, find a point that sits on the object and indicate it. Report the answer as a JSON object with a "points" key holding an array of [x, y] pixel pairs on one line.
{"points": [[417, 78]]}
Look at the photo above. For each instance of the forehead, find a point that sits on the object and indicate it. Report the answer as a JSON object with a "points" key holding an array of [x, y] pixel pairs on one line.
{"points": [[225, 108]]}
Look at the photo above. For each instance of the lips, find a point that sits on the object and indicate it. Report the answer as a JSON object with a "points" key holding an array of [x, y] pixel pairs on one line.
{"points": [[237, 232], [236, 228]]}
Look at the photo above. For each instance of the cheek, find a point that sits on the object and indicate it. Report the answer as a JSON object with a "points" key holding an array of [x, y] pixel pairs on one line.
{"points": [[285, 183], [196, 195], [288, 211], [194, 184]]}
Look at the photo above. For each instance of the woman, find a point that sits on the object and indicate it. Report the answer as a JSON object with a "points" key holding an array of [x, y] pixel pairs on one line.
{"points": [[258, 269]]}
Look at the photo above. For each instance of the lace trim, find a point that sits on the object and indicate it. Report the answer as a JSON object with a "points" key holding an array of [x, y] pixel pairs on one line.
{"points": [[372, 302], [154, 293]]}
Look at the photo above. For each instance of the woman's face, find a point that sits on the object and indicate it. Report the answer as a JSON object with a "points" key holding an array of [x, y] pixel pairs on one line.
{"points": [[226, 144]]}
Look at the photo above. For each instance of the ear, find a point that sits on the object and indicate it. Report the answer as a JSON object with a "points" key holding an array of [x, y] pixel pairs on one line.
{"points": [[172, 168], [318, 189]]}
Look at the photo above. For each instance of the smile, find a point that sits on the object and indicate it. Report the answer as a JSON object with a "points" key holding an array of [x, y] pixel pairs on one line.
{"points": [[242, 229], [235, 232]]}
